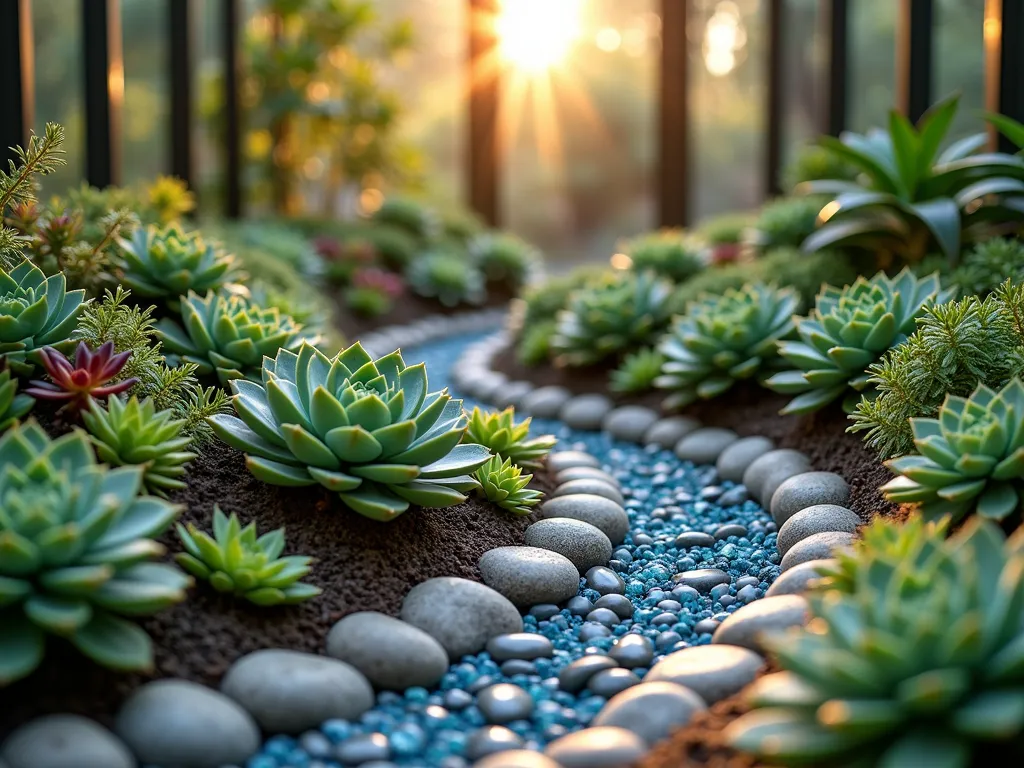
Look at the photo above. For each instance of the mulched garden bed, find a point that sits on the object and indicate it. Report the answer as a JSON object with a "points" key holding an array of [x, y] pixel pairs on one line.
{"points": [[361, 564]]}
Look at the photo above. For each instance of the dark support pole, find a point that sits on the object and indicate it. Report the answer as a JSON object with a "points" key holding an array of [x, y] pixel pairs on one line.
{"points": [[773, 129], [484, 100], [1004, 49], [673, 125], [180, 49], [104, 90], [837, 18], [914, 57], [232, 110], [17, 65]]}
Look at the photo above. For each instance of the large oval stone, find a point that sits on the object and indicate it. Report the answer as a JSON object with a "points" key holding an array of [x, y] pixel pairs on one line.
{"points": [[604, 747], [64, 741], [713, 672], [529, 575], [768, 616], [602, 513], [584, 544], [651, 710]]}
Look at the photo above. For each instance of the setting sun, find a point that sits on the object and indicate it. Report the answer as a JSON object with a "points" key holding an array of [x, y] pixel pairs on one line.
{"points": [[536, 35]]}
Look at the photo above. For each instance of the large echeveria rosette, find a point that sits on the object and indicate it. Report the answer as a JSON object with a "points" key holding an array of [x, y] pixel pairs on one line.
{"points": [[848, 330], [970, 458], [366, 429], [229, 335]]}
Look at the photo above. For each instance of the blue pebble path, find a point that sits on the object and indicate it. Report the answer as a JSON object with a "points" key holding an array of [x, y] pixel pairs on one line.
{"points": [[665, 497]]}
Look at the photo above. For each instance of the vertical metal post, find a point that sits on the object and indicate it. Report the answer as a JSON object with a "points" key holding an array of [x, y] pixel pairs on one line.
{"points": [[104, 90], [914, 57], [773, 121], [18, 66], [232, 15], [484, 78], [180, 38], [673, 120], [837, 17], [1004, 62]]}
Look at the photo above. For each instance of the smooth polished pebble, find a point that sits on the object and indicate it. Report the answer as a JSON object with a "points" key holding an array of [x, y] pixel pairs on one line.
{"points": [[805, 490], [529, 575], [816, 547], [713, 672], [694, 539], [702, 579], [604, 747], [504, 703], [799, 579], [364, 748], [608, 682], [520, 645], [632, 651], [517, 758], [665, 433], [605, 581], [620, 604], [651, 710], [560, 460], [734, 460], [586, 473], [705, 445], [574, 677], [600, 512], [629, 422], [749, 625], [820, 518], [491, 739], [511, 394], [585, 411], [583, 544], [592, 485], [545, 402], [64, 741], [770, 470]]}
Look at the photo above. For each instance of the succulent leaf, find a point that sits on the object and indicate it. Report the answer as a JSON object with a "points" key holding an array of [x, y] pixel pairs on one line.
{"points": [[501, 435], [502, 482]]}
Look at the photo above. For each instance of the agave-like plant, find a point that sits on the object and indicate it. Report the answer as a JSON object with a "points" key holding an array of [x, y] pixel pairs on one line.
{"points": [[622, 312], [970, 458], [169, 262], [229, 335], [722, 339], [234, 560], [910, 196], [89, 377], [637, 371], [499, 433], [848, 330], [135, 433], [35, 311], [366, 429], [12, 404], [504, 483], [504, 258], [75, 544], [914, 658]]}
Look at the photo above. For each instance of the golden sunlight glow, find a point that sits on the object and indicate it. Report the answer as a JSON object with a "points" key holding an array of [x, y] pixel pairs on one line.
{"points": [[621, 261], [537, 35]]}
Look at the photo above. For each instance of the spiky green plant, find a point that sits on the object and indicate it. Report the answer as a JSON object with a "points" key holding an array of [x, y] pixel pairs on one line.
{"points": [[75, 545], [637, 371], [915, 661], [169, 262], [986, 266], [228, 335], [447, 277], [534, 345], [12, 404], [137, 434], [970, 458], [234, 560], [504, 258], [786, 222], [848, 330], [723, 339], [671, 253], [623, 311], [44, 155], [811, 163], [410, 216], [505, 484], [499, 433], [35, 311], [366, 429], [545, 301]]}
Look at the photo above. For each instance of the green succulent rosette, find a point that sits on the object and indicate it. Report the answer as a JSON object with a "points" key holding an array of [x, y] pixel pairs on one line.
{"points": [[169, 262], [503, 483], [35, 311], [970, 458], [448, 277], [915, 657], [229, 335], [622, 312], [76, 541], [365, 429], [500, 434], [723, 339], [849, 329]]}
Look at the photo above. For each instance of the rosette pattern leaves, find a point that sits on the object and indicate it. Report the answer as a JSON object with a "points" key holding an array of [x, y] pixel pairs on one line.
{"points": [[366, 429], [169, 262], [504, 483], [500, 434]]}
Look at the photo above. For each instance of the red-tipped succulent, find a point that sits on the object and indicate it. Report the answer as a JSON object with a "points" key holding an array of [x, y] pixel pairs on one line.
{"points": [[85, 379]]}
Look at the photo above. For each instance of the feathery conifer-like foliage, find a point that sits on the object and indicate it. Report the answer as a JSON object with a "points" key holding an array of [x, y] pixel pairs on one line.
{"points": [[43, 155]]}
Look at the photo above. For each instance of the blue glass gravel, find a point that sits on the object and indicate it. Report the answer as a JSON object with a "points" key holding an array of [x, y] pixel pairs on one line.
{"points": [[664, 498]]}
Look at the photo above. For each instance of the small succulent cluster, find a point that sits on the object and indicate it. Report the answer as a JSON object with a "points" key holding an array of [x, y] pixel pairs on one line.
{"points": [[499, 433], [137, 434], [670, 253], [503, 258], [621, 312], [786, 222], [91, 376], [169, 262], [235, 561], [365, 429], [12, 404], [723, 339], [411, 217], [637, 371], [35, 311], [504, 483], [228, 335], [76, 541], [373, 291], [912, 657], [969, 459], [849, 329], [447, 277]]}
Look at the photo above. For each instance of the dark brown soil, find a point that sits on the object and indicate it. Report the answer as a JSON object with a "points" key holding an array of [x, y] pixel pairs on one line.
{"points": [[362, 565]]}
